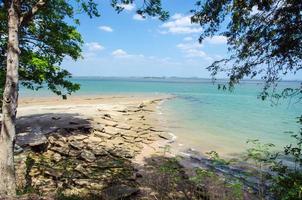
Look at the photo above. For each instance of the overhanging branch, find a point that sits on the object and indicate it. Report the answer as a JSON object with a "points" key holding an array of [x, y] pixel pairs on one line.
{"points": [[27, 16]]}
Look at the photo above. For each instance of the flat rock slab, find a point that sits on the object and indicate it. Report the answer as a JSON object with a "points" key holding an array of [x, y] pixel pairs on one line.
{"points": [[119, 192], [24, 139]]}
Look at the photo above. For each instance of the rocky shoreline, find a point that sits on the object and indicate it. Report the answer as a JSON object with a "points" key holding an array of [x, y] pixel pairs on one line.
{"points": [[92, 155]]}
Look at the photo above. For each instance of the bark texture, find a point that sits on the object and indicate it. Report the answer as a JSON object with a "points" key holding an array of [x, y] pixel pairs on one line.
{"points": [[10, 103]]}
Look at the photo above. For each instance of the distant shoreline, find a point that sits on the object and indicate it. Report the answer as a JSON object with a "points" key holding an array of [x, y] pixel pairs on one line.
{"points": [[174, 77]]}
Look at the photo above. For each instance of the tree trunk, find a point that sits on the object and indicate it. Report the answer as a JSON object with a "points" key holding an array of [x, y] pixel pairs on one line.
{"points": [[10, 103]]}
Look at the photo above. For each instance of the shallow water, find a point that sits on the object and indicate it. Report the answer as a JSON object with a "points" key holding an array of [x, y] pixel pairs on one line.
{"points": [[204, 118]]}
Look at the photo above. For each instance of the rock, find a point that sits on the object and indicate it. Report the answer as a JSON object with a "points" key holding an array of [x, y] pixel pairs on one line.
{"points": [[54, 173], [117, 141], [117, 192], [138, 175], [102, 135], [135, 176], [76, 144], [65, 151], [138, 140], [24, 139], [79, 168], [38, 143], [163, 137], [17, 149], [73, 191], [122, 111], [128, 138], [107, 122], [78, 137], [99, 151], [59, 143], [45, 185], [112, 130], [85, 128], [57, 140], [154, 130], [121, 153], [98, 127], [92, 185], [57, 157], [94, 140], [124, 126], [142, 105], [88, 156], [34, 172], [96, 186], [81, 182], [107, 115]]}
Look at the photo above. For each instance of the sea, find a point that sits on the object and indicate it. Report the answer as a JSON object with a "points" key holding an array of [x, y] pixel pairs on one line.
{"points": [[201, 117]]}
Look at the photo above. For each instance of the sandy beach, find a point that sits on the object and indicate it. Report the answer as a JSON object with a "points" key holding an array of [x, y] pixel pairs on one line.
{"points": [[98, 140]]}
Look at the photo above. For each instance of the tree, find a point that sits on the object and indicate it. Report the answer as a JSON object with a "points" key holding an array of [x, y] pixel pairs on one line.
{"points": [[264, 39], [36, 35]]}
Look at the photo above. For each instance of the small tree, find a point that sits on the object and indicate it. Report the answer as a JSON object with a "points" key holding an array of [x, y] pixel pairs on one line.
{"points": [[35, 38]]}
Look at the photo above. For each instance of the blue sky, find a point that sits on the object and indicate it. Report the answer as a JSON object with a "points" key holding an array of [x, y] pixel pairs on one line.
{"points": [[126, 45]]}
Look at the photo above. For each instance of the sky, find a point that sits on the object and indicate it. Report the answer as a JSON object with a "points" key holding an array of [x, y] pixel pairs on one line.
{"points": [[125, 44]]}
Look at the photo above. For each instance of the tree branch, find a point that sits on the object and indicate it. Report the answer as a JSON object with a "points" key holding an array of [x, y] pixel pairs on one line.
{"points": [[27, 16]]}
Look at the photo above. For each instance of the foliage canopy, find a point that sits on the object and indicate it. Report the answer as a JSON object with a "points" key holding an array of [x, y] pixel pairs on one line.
{"points": [[264, 39], [48, 34]]}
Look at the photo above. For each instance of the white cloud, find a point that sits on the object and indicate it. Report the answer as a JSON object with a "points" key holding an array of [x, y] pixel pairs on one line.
{"points": [[185, 46], [128, 7], [217, 39], [180, 24], [120, 53], [138, 17], [176, 16], [195, 53], [106, 28], [188, 39], [192, 50], [94, 46]]}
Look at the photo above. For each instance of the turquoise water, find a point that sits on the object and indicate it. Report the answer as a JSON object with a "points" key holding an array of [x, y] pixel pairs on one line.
{"points": [[203, 117]]}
